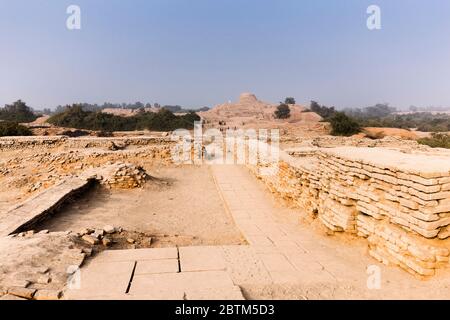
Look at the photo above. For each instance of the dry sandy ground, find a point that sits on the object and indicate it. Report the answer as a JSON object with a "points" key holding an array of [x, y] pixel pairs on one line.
{"points": [[183, 207], [35, 257], [393, 132]]}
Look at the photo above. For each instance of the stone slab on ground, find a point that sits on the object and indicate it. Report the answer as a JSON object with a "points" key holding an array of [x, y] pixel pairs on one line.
{"points": [[11, 297], [226, 293], [156, 266], [47, 295], [38, 206], [183, 281], [102, 279], [201, 259], [137, 255]]}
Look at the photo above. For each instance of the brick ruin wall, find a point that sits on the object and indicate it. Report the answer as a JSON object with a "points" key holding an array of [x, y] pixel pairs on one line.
{"points": [[17, 143], [63, 151], [53, 159], [405, 216]]}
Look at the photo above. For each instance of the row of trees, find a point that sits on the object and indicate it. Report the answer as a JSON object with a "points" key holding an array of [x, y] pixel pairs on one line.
{"points": [[164, 120], [20, 112], [380, 115], [132, 106], [422, 121]]}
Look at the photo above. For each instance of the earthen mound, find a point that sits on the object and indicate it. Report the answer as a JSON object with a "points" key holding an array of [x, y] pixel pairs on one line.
{"points": [[250, 110]]}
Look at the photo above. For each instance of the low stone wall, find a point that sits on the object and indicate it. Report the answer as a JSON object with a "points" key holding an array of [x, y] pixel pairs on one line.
{"points": [[14, 143], [399, 202], [388, 141]]}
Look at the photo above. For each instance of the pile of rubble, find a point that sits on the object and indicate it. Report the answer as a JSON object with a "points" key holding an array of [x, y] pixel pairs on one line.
{"points": [[400, 202], [125, 176], [4, 171], [97, 236], [114, 237]]}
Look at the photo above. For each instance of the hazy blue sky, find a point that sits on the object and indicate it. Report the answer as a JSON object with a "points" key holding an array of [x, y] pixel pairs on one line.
{"points": [[204, 52]]}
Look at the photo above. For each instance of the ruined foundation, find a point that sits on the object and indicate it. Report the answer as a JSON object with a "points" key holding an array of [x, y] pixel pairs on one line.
{"points": [[399, 202]]}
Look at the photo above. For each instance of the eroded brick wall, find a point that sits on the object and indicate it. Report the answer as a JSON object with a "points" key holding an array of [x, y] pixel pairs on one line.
{"points": [[403, 212]]}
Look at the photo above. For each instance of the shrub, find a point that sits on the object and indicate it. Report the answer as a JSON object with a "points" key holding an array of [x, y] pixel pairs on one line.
{"points": [[17, 112], [75, 133], [437, 140], [8, 128], [343, 125], [283, 111], [103, 133]]}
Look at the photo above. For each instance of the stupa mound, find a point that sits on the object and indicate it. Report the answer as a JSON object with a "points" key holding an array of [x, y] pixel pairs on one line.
{"points": [[249, 109]]}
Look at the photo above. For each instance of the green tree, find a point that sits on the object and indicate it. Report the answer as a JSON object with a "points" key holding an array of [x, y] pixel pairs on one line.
{"points": [[283, 111], [343, 125], [323, 111], [289, 100], [17, 112]]}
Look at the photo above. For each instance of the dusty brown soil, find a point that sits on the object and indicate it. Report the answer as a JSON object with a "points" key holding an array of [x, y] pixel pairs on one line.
{"points": [[180, 207], [392, 132]]}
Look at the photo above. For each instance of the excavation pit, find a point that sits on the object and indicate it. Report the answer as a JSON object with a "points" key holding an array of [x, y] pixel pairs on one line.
{"points": [[178, 206]]}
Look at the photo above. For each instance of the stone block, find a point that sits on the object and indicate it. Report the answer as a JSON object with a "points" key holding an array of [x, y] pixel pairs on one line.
{"points": [[21, 292], [156, 266], [47, 295], [201, 259]]}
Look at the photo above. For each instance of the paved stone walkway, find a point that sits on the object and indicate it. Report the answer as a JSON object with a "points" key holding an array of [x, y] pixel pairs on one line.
{"points": [[281, 252]]}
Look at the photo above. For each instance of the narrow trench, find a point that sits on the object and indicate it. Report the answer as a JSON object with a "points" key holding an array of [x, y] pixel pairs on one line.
{"points": [[178, 257], [131, 278]]}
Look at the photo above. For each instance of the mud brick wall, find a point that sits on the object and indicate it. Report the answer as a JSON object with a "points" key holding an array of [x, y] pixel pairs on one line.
{"points": [[399, 202], [388, 141], [14, 143]]}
